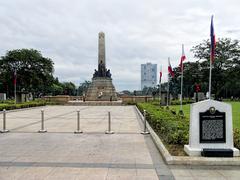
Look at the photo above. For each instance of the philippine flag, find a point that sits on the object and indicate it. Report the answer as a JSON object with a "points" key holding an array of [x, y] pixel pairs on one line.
{"points": [[183, 57], [170, 71], [160, 75], [14, 78], [213, 41]]}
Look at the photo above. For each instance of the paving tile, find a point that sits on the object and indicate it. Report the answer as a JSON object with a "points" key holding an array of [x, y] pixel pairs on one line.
{"points": [[163, 171], [204, 173], [121, 172], [146, 172], [230, 173], [167, 177], [181, 173], [183, 178], [61, 154], [121, 177]]}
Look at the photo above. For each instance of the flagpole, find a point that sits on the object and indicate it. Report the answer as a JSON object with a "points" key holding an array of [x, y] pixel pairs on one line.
{"points": [[210, 78], [182, 79], [168, 86], [212, 51], [15, 86], [160, 87]]}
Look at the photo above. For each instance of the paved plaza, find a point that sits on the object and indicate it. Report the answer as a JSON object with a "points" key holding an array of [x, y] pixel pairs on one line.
{"points": [[61, 154]]}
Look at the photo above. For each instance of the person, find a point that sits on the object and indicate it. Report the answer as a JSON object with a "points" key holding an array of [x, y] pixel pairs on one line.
{"points": [[108, 74], [84, 97], [100, 95], [95, 73]]}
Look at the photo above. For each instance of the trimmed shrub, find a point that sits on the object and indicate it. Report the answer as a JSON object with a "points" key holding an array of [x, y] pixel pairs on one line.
{"points": [[170, 127], [22, 105], [185, 101], [236, 138]]}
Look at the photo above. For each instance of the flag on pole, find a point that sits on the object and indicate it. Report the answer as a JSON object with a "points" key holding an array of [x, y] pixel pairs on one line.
{"points": [[14, 78], [170, 71], [213, 41], [160, 75], [183, 57]]}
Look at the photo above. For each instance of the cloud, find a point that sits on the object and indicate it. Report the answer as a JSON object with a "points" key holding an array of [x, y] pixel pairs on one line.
{"points": [[232, 31], [136, 32]]}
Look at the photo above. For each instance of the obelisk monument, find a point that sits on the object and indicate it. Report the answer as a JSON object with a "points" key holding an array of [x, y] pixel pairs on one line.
{"points": [[101, 48], [101, 88]]}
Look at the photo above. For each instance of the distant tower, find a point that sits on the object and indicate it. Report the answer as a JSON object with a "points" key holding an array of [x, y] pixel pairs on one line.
{"points": [[148, 75]]}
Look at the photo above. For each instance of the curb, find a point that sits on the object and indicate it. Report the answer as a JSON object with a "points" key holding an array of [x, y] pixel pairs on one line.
{"points": [[187, 160]]}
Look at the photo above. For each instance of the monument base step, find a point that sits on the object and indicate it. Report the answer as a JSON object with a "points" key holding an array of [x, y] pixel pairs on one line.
{"points": [[94, 103], [197, 151], [206, 152]]}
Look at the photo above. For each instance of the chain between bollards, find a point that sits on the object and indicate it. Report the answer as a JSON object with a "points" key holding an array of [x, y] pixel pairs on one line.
{"points": [[42, 130], [78, 131], [144, 132], [109, 131], [4, 130]]}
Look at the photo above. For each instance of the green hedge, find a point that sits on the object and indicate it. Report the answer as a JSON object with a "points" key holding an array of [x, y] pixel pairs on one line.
{"points": [[185, 101], [171, 127], [173, 102], [22, 105], [236, 138]]}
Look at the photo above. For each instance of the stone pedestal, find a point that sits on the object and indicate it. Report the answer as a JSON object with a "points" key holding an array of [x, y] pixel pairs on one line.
{"points": [[101, 89], [3, 97], [22, 97], [164, 99]]}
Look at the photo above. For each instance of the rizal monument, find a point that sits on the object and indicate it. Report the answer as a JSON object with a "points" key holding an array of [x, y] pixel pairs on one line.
{"points": [[101, 88]]}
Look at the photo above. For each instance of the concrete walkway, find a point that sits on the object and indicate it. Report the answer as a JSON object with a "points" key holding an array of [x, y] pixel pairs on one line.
{"points": [[61, 154]]}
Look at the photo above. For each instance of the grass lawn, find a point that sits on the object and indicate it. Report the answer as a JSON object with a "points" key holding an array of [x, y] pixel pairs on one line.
{"points": [[235, 111]]}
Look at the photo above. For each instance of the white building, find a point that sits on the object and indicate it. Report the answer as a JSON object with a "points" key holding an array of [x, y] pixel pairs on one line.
{"points": [[148, 75]]}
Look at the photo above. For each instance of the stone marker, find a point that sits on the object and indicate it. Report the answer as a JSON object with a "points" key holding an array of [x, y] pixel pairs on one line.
{"points": [[3, 97], [211, 131], [101, 88], [199, 96], [164, 98]]}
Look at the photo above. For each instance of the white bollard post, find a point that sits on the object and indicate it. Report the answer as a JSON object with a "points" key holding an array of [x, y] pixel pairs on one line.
{"points": [[42, 130], [78, 131], [144, 132], [109, 131], [4, 130]]}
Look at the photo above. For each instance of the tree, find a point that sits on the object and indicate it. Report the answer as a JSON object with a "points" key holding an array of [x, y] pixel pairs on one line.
{"points": [[69, 88], [34, 72], [226, 67], [149, 91], [83, 87], [225, 72], [56, 88]]}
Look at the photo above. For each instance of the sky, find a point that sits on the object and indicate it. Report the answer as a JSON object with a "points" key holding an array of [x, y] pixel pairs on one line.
{"points": [[136, 32]]}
